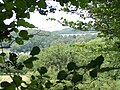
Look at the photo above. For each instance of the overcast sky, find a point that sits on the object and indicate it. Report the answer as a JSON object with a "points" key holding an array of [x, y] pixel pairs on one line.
{"points": [[41, 22]]}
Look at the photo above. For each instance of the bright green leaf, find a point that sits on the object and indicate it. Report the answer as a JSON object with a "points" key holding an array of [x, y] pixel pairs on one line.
{"points": [[22, 22]]}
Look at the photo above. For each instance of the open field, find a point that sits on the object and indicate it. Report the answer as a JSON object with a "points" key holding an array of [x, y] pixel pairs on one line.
{"points": [[8, 78]]}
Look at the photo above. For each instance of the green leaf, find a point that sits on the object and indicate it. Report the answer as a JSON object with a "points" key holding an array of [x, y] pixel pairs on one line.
{"points": [[22, 22], [13, 57], [12, 25], [98, 61], [42, 4], [108, 69], [93, 73], [62, 75], [17, 80], [20, 66], [74, 2], [48, 84], [29, 62], [42, 70], [33, 77], [32, 9], [35, 51], [1, 59], [5, 84], [46, 76], [19, 41], [31, 3], [23, 33], [9, 6], [30, 36], [83, 3], [25, 15], [20, 4], [77, 78], [26, 38], [71, 66], [2, 54], [32, 58]]}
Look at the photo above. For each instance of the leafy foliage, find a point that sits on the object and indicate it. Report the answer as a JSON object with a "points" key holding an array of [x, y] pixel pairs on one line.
{"points": [[35, 51]]}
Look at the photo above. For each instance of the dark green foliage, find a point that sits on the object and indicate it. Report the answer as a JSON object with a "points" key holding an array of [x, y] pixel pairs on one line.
{"points": [[7, 86], [42, 4], [19, 41], [13, 57], [93, 73], [22, 22], [48, 84], [62, 75], [17, 80], [29, 62], [108, 69], [19, 66], [23, 33], [77, 78], [97, 62], [42, 70], [71, 66], [35, 51], [1, 59]]}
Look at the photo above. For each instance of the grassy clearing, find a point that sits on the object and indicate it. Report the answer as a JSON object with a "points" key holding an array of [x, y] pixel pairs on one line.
{"points": [[8, 78]]}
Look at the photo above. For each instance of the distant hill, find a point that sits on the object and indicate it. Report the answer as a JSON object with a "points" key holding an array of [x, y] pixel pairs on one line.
{"points": [[73, 31]]}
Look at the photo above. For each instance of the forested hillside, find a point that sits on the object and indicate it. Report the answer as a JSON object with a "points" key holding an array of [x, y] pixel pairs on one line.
{"points": [[45, 39]]}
